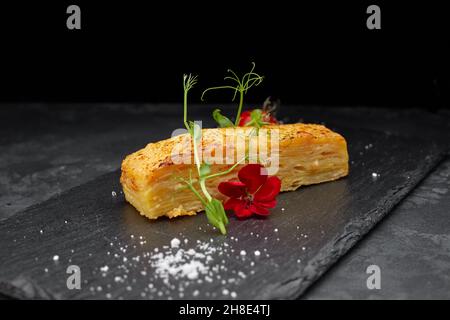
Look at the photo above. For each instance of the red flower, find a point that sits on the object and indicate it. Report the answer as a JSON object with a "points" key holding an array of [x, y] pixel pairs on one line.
{"points": [[255, 193], [246, 117]]}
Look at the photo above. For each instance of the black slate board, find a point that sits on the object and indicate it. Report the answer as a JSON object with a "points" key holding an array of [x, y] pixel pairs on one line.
{"points": [[90, 228]]}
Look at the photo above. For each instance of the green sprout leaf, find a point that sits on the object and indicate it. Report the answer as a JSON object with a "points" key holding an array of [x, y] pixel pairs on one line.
{"points": [[257, 120], [216, 215], [221, 120]]}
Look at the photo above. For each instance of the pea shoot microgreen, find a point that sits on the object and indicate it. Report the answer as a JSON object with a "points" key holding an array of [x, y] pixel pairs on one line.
{"points": [[241, 86], [215, 212]]}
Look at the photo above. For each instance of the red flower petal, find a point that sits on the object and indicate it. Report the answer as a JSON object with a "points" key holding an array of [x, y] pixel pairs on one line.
{"points": [[269, 190], [259, 210], [232, 203], [266, 204], [245, 117], [241, 210], [232, 189], [254, 176]]}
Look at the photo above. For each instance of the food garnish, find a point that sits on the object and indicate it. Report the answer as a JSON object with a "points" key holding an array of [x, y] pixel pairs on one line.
{"points": [[254, 193], [246, 183]]}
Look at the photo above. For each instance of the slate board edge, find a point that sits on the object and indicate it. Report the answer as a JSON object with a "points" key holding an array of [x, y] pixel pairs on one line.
{"points": [[355, 230]]}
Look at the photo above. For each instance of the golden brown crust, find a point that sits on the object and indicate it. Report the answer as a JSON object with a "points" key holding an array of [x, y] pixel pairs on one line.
{"points": [[138, 167]]}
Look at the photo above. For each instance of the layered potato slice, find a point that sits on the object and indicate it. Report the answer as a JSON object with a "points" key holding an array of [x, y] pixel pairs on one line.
{"points": [[152, 178]]}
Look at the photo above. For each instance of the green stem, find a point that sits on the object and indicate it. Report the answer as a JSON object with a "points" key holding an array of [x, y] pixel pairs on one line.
{"points": [[185, 110], [216, 88], [226, 171], [250, 123], [191, 187], [196, 158], [204, 190], [241, 103], [197, 163]]}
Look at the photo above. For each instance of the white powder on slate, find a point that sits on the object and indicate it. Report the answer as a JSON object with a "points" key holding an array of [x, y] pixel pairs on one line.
{"points": [[177, 265], [179, 268], [175, 243], [104, 269]]}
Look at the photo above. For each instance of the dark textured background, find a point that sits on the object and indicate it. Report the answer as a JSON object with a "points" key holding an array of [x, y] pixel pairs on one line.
{"points": [[311, 53]]}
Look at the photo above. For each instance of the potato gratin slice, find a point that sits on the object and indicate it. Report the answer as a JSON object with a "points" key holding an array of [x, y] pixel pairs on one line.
{"points": [[308, 154]]}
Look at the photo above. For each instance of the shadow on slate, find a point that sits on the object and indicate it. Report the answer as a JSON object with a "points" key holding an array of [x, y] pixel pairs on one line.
{"points": [[316, 225]]}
